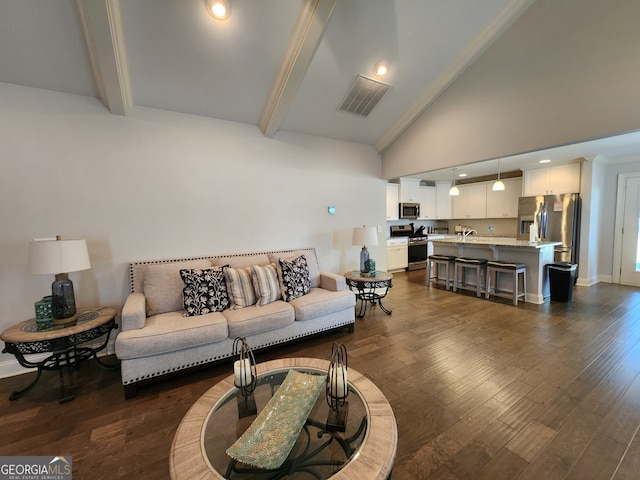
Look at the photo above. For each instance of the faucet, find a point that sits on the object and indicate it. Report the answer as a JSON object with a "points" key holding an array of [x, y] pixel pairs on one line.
{"points": [[466, 233]]}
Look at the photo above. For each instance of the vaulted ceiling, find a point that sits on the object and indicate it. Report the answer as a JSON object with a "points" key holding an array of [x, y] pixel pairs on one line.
{"points": [[278, 64]]}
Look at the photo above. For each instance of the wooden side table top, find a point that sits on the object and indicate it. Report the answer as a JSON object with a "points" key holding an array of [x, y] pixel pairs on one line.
{"points": [[26, 332], [379, 276], [374, 461]]}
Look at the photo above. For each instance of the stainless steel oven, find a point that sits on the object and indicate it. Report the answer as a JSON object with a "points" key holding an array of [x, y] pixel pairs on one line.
{"points": [[418, 245], [418, 252]]}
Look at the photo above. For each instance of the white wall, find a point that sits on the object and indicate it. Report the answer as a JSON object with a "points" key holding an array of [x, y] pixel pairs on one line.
{"points": [[564, 72], [591, 214], [157, 184], [608, 213]]}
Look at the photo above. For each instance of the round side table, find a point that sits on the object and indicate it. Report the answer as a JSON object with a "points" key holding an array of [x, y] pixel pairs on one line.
{"points": [[367, 288], [62, 340]]}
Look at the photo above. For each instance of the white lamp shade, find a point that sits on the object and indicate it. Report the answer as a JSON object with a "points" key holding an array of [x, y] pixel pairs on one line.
{"points": [[498, 186], [58, 256], [364, 236]]}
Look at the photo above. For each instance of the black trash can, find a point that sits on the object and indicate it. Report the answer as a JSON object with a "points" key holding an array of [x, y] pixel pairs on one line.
{"points": [[562, 277]]}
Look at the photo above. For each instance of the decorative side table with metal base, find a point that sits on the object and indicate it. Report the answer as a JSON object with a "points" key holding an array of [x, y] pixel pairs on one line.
{"points": [[63, 341], [366, 289]]}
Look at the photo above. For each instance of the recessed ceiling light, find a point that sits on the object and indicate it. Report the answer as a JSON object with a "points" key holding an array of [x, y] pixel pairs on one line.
{"points": [[462, 174], [544, 161], [380, 69], [218, 9]]}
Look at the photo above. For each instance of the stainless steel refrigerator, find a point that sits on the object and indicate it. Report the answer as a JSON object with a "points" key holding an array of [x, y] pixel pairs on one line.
{"points": [[554, 218]]}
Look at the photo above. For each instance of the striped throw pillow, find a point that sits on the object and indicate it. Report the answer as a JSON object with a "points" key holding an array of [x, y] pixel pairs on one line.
{"points": [[240, 287], [265, 283]]}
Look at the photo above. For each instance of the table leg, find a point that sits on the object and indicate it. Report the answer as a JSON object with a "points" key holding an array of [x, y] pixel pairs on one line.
{"points": [[388, 312], [99, 349], [18, 393], [66, 392], [363, 306]]}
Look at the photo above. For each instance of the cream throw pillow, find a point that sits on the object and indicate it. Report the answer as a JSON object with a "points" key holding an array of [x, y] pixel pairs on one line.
{"points": [[240, 287], [163, 285], [265, 283]]}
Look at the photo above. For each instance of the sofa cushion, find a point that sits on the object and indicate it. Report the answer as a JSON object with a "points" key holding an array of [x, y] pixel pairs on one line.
{"points": [[251, 320], [312, 262], [163, 285], [322, 302], [170, 332], [293, 276], [265, 283], [241, 261], [205, 291], [240, 287]]}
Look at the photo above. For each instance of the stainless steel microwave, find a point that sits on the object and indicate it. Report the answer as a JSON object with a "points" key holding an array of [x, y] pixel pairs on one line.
{"points": [[409, 210]]}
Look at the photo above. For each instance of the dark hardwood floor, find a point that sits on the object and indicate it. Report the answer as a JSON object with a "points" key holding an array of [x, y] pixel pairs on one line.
{"points": [[480, 389]]}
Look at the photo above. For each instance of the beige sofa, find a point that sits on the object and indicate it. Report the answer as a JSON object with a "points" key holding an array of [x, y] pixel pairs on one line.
{"points": [[159, 336]]}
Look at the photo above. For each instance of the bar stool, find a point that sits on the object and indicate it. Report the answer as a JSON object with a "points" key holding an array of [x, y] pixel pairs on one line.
{"points": [[440, 260], [494, 267], [477, 264]]}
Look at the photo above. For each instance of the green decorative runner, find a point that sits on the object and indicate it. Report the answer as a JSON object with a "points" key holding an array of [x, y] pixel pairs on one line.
{"points": [[270, 438]]}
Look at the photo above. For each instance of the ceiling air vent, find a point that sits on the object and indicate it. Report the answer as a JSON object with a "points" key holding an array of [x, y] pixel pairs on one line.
{"points": [[365, 94]]}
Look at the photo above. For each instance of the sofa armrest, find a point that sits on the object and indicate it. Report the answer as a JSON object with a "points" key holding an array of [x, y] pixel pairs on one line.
{"points": [[134, 312], [332, 282]]}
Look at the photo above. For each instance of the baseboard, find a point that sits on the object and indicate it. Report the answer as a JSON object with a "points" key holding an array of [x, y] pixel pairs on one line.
{"points": [[531, 298], [10, 367], [589, 282]]}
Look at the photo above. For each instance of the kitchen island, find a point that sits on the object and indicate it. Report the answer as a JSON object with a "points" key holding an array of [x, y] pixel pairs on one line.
{"points": [[536, 255]]}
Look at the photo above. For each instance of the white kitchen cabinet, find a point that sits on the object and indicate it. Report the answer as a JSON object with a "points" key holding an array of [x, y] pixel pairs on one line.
{"points": [[410, 190], [397, 256], [472, 201], [552, 180], [392, 201], [427, 200], [443, 200], [504, 203]]}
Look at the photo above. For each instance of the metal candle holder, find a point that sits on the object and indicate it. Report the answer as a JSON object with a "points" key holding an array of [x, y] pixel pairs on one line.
{"points": [[337, 389], [245, 377]]}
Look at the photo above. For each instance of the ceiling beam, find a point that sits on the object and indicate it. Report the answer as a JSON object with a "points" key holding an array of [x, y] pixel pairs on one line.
{"points": [[306, 37], [104, 33], [491, 32]]}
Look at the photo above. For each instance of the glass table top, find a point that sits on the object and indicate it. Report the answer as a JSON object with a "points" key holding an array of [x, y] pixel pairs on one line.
{"points": [[52, 325], [316, 453]]}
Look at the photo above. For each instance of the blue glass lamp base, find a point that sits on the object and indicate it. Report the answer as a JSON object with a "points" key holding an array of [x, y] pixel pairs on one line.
{"points": [[63, 302], [364, 256]]}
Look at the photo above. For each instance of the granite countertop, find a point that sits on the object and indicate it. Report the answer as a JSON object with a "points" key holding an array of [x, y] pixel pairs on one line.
{"points": [[496, 242]]}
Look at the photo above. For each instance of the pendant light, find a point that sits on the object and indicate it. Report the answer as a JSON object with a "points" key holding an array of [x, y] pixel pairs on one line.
{"points": [[498, 185], [453, 191]]}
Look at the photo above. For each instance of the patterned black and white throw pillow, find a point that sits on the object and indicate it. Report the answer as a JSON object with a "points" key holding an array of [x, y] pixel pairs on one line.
{"points": [[294, 278], [205, 291]]}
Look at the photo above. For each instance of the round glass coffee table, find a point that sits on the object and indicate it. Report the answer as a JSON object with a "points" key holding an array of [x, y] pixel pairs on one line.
{"points": [[365, 450]]}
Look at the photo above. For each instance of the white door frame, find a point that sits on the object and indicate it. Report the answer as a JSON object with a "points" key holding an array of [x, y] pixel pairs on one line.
{"points": [[617, 229]]}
